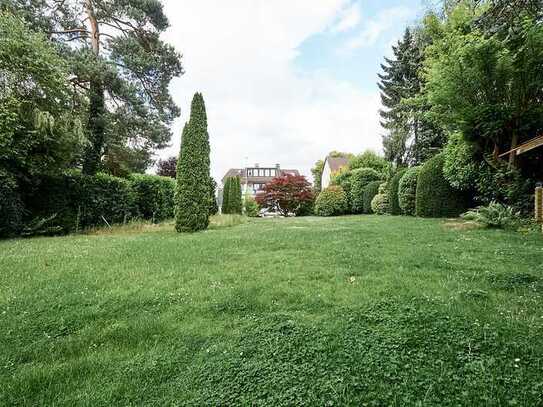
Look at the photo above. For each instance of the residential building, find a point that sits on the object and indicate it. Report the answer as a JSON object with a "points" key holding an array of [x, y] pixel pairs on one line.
{"points": [[254, 178], [332, 164]]}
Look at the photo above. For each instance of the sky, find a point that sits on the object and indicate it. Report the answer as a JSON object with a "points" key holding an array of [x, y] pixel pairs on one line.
{"points": [[284, 81]]}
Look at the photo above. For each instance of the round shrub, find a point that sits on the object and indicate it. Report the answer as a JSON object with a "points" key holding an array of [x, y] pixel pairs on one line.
{"points": [[332, 201], [359, 179], [370, 191], [343, 179], [407, 191], [154, 196], [435, 197], [393, 192], [379, 203], [11, 206], [251, 207]]}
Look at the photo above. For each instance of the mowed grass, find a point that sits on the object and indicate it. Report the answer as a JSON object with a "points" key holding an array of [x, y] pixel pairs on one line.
{"points": [[360, 310]]}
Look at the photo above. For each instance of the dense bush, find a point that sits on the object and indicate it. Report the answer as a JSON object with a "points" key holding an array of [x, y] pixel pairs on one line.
{"points": [[332, 201], [393, 188], [251, 207], [407, 191], [370, 191], [360, 178], [11, 207], [379, 203], [343, 179], [154, 196], [73, 201], [435, 196], [231, 198], [485, 178], [213, 205]]}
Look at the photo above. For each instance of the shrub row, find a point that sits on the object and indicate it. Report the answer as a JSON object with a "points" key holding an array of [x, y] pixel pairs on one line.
{"points": [[73, 201], [421, 191]]}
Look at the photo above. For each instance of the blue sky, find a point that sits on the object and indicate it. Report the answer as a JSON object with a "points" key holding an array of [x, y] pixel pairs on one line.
{"points": [[329, 49], [284, 81]]}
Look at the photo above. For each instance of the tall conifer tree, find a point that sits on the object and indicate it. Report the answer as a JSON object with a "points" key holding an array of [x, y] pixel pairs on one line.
{"points": [[193, 179]]}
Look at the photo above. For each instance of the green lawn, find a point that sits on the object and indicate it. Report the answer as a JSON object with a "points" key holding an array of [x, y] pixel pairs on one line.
{"points": [[358, 310]]}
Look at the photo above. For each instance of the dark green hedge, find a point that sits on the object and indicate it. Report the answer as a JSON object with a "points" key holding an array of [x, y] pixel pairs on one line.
{"points": [[72, 202], [11, 206], [370, 191], [343, 179], [394, 205], [435, 197], [407, 191], [154, 196], [360, 178]]}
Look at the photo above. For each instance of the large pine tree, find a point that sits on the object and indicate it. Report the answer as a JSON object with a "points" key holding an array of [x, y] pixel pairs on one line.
{"points": [[120, 69], [410, 138], [193, 179]]}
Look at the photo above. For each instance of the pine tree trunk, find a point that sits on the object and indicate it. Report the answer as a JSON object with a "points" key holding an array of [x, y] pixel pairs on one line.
{"points": [[93, 152]]}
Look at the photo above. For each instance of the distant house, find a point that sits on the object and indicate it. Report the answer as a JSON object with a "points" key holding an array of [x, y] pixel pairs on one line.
{"points": [[331, 166], [254, 178]]}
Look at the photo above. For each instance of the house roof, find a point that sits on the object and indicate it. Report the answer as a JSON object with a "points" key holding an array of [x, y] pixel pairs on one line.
{"points": [[242, 172], [335, 163]]}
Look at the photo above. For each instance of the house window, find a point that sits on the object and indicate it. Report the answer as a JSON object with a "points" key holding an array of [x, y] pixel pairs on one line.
{"points": [[267, 173], [250, 172]]}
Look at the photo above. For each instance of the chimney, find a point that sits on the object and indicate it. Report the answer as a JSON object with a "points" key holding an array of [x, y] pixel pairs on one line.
{"points": [[257, 165], [277, 166]]}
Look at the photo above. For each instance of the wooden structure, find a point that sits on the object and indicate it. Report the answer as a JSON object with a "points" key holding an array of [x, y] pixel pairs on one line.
{"points": [[524, 147]]}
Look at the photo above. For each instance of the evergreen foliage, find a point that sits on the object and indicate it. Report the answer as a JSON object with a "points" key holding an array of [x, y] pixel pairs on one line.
{"points": [[343, 179], [435, 196], [407, 191], [213, 206], [379, 203], [411, 136], [225, 206], [331, 202], [317, 175], [193, 179], [370, 191], [235, 204], [368, 159], [11, 207], [393, 190], [154, 196], [360, 178]]}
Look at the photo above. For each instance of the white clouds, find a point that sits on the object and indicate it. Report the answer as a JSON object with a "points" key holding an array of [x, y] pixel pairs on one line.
{"points": [[240, 54], [349, 19], [374, 28]]}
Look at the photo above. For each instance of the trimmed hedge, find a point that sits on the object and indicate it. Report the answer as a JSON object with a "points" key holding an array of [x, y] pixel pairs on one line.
{"points": [[394, 205], [407, 191], [435, 197], [11, 206], [360, 178], [73, 201], [332, 201], [370, 191], [154, 196]]}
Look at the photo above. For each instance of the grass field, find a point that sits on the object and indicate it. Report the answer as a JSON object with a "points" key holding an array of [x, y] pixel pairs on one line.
{"points": [[360, 310]]}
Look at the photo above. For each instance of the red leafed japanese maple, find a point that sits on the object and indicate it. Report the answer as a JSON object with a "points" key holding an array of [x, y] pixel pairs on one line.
{"points": [[287, 194]]}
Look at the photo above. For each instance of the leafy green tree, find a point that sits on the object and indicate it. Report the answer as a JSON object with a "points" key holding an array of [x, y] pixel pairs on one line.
{"points": [[487, 87], [37, 131], [120, 66], [368, 159], [193, 179], [411, 138], [317, 175]]}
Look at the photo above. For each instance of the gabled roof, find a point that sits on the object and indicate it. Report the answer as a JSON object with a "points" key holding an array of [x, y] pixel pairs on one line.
{"points": [[234, 172], [336, 163]]}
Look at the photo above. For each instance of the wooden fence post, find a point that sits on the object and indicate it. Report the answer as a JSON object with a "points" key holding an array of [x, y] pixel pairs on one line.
{"points": [[539, 205]]}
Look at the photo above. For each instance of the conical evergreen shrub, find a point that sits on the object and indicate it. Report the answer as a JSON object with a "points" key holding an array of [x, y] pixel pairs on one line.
{"points": [[225, 208], [193, 180], [235, 203]]}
